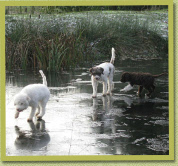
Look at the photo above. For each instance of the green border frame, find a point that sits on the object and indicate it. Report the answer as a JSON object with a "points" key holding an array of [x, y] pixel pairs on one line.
{"points": [[87, 158]]}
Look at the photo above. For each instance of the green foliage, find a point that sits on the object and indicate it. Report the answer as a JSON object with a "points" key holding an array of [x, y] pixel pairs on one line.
{"points": [[61, 42], [63, 9]]}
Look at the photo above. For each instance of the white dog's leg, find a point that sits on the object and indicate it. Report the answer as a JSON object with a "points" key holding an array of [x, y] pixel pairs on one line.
{"points": [[95, 86], [43, 109], [38, 112], [41, 113], [109, 86], [104, 88], [32, 113]]}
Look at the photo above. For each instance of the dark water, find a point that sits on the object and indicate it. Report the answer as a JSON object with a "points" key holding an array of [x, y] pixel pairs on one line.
{"points": [[76, 124]]}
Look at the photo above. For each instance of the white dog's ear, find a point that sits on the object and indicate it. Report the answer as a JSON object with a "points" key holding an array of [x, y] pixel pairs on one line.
{"points": [[28, 98]]}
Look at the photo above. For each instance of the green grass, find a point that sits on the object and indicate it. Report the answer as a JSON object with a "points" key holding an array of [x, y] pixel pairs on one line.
{"points": [[60, 42]]}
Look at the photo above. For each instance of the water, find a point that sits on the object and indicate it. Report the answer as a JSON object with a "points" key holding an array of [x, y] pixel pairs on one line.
{"points": [[76, 124]]}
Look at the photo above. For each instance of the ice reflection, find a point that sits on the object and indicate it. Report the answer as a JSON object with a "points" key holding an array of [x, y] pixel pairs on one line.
{"points": [[105, 113], [34, 139]]}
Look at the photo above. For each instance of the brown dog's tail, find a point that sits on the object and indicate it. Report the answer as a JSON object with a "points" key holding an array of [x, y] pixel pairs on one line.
{"points": [[159, 75]]}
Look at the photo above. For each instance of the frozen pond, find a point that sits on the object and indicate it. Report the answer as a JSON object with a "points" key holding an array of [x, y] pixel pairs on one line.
{"points": [[76, 124]]}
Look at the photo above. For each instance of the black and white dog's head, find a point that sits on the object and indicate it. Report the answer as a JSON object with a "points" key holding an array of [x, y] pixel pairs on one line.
{"points": [[96, 72]]}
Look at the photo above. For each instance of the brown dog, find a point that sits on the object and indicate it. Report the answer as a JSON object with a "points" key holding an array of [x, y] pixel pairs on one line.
{"points": [[144, 80]]}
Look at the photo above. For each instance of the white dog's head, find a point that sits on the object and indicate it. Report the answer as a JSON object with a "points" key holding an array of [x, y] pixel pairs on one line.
{"points": [[96, 72], [21, 102]]}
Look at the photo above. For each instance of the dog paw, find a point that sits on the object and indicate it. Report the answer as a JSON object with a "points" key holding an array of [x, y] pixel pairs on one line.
{"points": [[108, 93], [93, 96], [39, 118], [29, 120], [104, 95]]}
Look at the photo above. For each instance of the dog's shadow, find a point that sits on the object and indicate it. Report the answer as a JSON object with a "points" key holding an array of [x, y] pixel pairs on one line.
{"points": [[35, 139]]}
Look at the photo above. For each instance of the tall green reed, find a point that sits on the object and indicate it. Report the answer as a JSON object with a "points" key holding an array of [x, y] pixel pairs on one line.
{"points": [[58, 43]]}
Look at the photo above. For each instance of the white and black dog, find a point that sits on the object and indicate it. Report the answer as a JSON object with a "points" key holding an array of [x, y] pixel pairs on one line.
{"points": [[35, 96], [103, 73]]}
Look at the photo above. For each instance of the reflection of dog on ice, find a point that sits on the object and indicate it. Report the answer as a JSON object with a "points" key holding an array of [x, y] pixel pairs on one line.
{"points": [[35, 139], [108, 112], [107, 105], [35, 96]]}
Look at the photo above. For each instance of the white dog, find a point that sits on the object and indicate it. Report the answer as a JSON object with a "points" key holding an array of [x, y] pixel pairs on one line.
{"points": [[103, 73], [35, 96]]}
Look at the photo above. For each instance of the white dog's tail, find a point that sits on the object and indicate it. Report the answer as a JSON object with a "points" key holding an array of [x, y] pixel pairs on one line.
{"points": [[113, 56], [44, 77]]}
